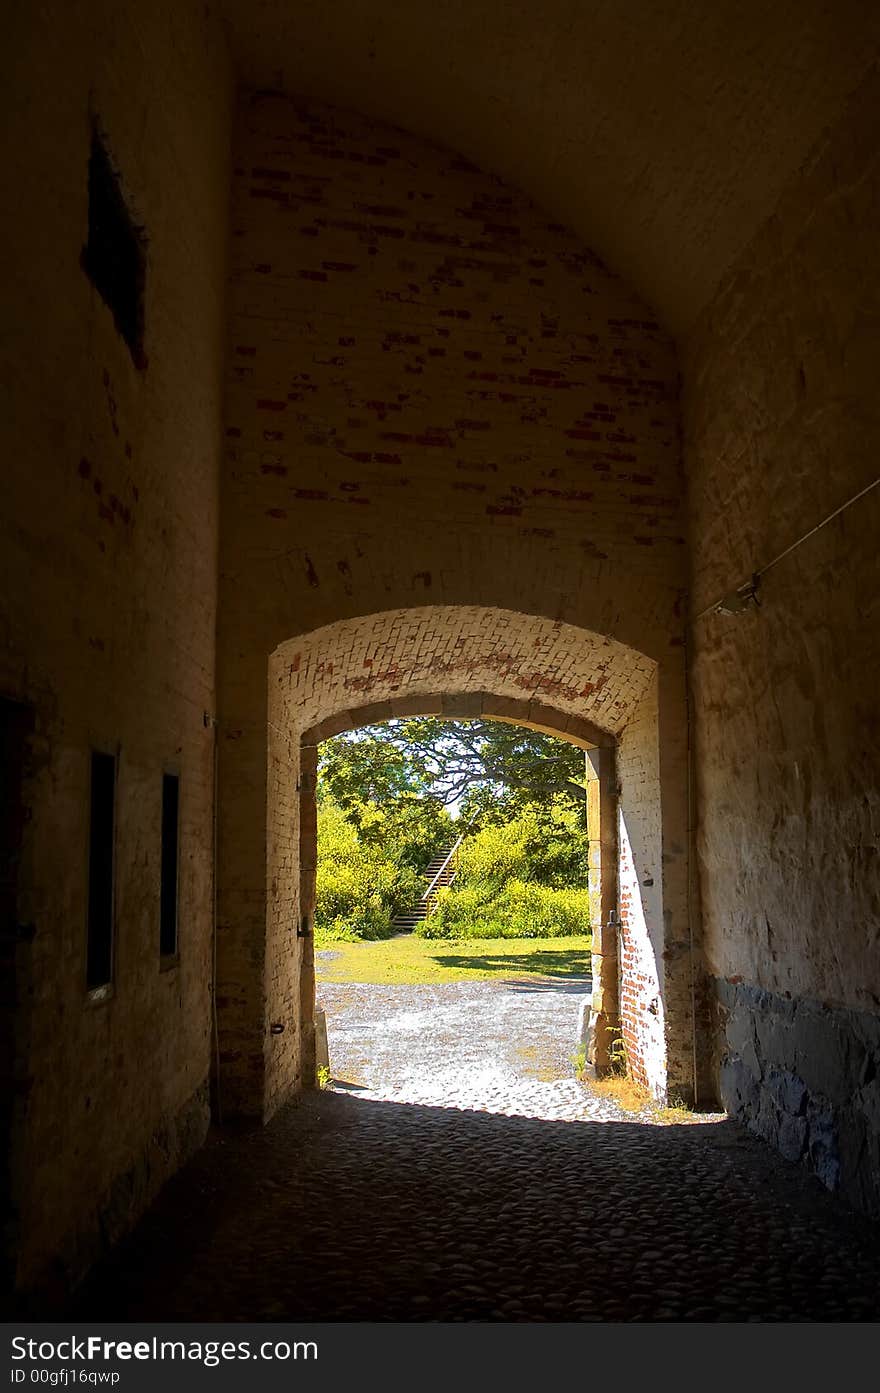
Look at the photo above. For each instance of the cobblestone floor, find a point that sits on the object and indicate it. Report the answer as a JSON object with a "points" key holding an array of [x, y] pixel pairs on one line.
{"points": [[354, 1207]]}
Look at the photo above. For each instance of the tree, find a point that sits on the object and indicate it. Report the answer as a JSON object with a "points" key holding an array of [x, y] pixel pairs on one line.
{"points": [[525, 878], [384, 794], [362, 882], [385, 798], [488, 769]]}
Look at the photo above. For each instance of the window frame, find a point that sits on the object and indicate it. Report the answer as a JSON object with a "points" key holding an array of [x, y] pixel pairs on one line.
{"points": [[99, 992], [169, 958]]}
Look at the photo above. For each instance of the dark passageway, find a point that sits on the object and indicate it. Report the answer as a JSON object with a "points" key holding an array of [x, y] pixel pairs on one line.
{"points": [[349, 1210], [493, 360]]}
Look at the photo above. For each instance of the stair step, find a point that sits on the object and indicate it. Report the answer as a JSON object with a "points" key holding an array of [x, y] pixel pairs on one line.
{"points": [[435, 876]]}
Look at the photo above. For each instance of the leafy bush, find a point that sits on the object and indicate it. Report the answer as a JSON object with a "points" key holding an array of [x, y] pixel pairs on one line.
{"points": [[544, 845], [410, 831], [518, 910], [538, 911], [360, 885], [524, 879]]}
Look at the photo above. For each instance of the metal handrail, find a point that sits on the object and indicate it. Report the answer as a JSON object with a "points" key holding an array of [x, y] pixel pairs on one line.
{"points": [[429, 894], [430, 890]]}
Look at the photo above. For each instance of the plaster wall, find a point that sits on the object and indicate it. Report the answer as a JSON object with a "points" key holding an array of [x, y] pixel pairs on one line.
{"points": [[109, 540], [782, 427]]}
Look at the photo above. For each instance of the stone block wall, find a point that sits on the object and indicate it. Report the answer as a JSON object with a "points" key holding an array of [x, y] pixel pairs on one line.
{"points": [[108, 543], [806, 1077], [783, 427]]}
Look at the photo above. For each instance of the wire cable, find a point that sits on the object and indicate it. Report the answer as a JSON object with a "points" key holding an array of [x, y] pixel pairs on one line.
{"points": [[762, 570]]}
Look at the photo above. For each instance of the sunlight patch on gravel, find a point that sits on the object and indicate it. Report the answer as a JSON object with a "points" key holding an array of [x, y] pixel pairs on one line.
{"points": [[498, 1047]]}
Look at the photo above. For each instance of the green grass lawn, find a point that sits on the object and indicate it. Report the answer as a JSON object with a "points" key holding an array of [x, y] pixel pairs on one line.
{"points": [[412, 959]]}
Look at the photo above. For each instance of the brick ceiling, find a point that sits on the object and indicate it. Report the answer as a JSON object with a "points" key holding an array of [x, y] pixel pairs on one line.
{"points": [[661, 131]]}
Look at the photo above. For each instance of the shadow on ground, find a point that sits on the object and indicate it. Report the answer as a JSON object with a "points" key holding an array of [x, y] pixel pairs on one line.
{"points": [[574, 964], [346, 1209], [571, 986]]}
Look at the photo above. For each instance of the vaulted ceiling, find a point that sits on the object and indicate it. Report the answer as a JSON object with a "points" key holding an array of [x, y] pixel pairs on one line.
{"points": [[662, 131]]}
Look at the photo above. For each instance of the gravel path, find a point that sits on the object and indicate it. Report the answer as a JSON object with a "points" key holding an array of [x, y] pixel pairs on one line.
{"points": [[349, 1206], [496, 1046]]}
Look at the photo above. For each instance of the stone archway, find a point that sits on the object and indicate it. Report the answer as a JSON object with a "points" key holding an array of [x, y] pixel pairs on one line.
{"points": [[458, 660]]}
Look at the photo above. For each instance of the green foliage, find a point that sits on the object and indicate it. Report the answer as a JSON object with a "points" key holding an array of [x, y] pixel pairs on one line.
{"points": [[385, 797], [524, 879], [360, 884], [417, 831], [382, 794], [542, 845], [492, 769], [516, 911]]}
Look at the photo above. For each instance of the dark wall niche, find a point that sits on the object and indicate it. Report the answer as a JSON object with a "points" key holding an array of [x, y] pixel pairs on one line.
{"points": [[102, 855], [114, 257], [170, 859]]}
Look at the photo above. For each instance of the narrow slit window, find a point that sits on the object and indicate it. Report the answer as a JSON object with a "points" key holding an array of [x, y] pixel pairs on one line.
{"points": [[99, 956], [170, 858], [114, 258]]}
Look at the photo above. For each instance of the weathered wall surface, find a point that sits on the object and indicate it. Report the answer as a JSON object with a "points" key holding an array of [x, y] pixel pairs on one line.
{"points": [[657, 941], [783, 426], [109, 592], [640, 897], [435, 398], [403, 655]]}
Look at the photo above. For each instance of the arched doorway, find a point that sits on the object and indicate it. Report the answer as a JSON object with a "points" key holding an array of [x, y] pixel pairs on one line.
{"points": [[458, 661]]}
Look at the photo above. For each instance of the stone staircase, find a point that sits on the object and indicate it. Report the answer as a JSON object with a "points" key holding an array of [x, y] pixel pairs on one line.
{"points": [[439, 872]]}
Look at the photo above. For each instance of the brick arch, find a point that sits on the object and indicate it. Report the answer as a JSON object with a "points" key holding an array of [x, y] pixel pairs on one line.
{"points": [[457, 661], [523, 665], [534, 715]]}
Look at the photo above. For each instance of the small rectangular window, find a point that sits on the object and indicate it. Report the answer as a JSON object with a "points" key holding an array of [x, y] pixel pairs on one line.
{"points": [[99, 956], [114, 258], [170, 843]]}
